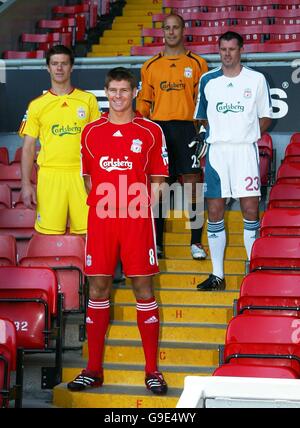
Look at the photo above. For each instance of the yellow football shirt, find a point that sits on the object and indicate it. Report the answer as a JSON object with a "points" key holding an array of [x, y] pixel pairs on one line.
{"points": [[57, 121]]}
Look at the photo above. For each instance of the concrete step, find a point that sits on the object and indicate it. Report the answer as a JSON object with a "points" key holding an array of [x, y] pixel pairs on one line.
{"points": [[185, 238], [126, 375], [116, 33], [184, 252], [143, 19], [177, 313], [193, 333], [114, 396], [112, 53], [203, 266], [121, 40], [185, 297], [128, 26], [124, 48], [177, 280], [171, 355]]}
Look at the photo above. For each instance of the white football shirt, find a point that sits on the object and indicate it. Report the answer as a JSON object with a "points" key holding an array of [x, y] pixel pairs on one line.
{"points": [[233, 105]]}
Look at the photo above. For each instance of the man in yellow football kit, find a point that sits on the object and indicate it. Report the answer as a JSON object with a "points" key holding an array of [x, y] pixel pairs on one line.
{"points": [[57, 119]]}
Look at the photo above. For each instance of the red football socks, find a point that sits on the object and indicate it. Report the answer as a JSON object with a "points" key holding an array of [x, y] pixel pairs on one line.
{"points": [[97, 321], [148, 324]]}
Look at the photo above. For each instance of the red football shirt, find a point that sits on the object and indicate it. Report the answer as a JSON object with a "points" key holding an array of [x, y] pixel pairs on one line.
{"points": [[121, 158]]}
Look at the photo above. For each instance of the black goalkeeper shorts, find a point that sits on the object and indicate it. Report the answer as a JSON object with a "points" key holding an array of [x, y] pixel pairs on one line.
{"points": [[182, 159]]}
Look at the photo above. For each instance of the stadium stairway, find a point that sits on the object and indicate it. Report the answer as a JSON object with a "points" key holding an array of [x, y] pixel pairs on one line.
{"points": [[126, 29], [193, 325]]}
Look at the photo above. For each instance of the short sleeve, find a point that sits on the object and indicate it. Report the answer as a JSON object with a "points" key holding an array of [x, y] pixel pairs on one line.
{"points": [[201, 105], [94, 109], [145, 96], [159, 162], [264, 103], [30, 123]]}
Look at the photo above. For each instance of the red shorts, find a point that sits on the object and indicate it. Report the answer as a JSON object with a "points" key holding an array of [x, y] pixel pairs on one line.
{"points": [[130, 239]]}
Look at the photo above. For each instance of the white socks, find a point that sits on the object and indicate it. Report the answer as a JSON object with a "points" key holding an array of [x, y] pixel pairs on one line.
{"points": [[250, 232], [217, 242]]}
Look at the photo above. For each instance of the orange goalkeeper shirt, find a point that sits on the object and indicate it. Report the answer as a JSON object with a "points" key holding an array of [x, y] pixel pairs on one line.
{"points": [[170, 86]]}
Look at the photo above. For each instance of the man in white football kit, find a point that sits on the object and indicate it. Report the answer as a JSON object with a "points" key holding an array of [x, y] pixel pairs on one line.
{"points": [[234, 105]]}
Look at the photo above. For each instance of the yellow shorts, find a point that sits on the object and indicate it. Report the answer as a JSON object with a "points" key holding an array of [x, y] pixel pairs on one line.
{"points": [[61, 194]]}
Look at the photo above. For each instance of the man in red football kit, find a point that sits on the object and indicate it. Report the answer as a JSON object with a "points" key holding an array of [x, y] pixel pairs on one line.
{"points": [[122, 153]]}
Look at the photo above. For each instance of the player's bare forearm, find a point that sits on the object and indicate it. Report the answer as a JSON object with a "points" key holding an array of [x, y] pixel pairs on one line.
{"points": [[87, 183], [264, 124], [204, 122], [143, 107], [27, 161]]}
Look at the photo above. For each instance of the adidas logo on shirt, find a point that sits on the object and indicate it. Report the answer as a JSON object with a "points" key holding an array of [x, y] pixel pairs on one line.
{"points": [[151, 320], [118, 134]]}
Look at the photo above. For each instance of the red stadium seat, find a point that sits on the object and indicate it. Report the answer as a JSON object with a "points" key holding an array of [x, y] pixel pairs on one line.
{"points": [[292, 153], [8, 250], [20, 224], [280, 253], [295, 138], [282, 33], [5, 196], [292, 150], [179, 7], [280, 222], [285, 195], [82, 15], [284, 16], [263, 340], [23, 54], [249, 17], [42, 41], [288, 172], [266, 160], [11, 175], [269, 293], [63, 25], [10, 361], [4, 158], [247, 370], [18, 154], [65, 254], [146, 50], [255, 5], [273, 47], [30, 298]]}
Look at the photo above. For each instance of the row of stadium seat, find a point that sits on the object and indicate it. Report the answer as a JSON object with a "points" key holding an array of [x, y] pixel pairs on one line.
{"points": [[262, 338], [68, 26], [63, 253], [4, 155], [227, 6], [31, 322], [35, 293], [214, 19]]}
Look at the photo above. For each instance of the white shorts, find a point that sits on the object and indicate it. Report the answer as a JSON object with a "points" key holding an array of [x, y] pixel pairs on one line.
{"points": [[232, 170]]}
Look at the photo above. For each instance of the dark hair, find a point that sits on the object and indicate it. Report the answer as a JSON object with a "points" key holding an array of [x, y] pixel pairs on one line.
{"points": [[231, 35], [120, 73], [176, 16], [59, 49]]}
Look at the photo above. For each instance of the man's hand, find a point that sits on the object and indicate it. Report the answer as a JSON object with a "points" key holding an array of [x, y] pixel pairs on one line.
{"points": [[28, 196], [201, 144]]}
